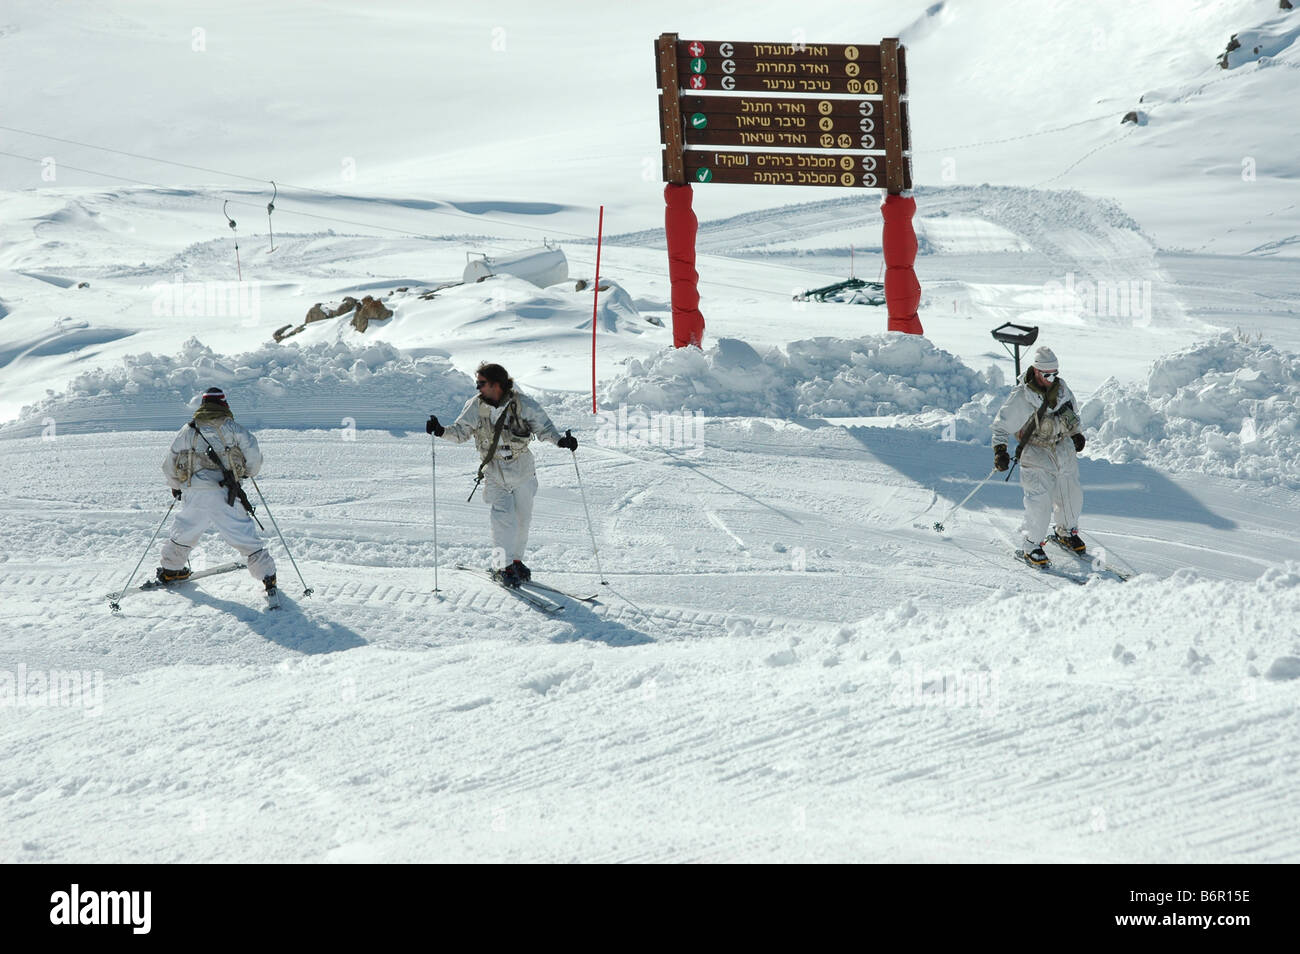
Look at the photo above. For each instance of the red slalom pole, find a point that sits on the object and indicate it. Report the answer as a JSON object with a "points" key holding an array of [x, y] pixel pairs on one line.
{"points": [[595, 304]]}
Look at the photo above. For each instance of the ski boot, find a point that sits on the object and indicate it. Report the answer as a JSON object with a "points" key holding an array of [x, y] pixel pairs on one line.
{"points": [[522, 571], [507, 576], [1033, 554], [269, 583], [166, 576], [1070, 539]]}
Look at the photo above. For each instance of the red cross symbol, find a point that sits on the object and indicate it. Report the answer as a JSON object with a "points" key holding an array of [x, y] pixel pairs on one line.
{"points": [[697, 82], [696, 48]]}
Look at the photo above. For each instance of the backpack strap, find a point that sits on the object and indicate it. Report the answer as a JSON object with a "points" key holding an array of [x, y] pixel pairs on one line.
{"points": [[492, 449]]}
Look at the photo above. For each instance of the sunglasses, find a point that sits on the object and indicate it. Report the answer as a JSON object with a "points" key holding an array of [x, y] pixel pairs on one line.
{"points": [[481, 384], [1049, 375]]}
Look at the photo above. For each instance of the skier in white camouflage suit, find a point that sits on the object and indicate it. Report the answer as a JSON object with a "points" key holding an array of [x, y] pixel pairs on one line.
{"points": [[1041, 414], [508, 468], [195, 479]]}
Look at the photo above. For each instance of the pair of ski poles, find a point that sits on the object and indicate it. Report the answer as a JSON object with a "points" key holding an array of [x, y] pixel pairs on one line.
{"points": [[433, 456], [306, 590]]}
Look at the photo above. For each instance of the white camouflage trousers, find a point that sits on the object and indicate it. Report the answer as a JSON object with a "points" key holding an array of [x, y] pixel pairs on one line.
{"points": [[202, 508], [511, 515], [1049, 477]]}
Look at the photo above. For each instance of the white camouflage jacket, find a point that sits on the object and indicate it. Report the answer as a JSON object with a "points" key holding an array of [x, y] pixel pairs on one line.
{"points": [[1059, 420], [189, 462], [512, 463]]}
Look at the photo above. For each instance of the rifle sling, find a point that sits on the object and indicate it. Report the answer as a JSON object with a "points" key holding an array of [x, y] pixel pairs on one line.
{"points": [[496, 439], [234, 491], [1037, 418]]}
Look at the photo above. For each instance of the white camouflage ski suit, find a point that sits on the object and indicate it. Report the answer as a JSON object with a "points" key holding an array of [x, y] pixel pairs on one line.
{"points": [[510, 478], [190, 469], [1049, 466]]}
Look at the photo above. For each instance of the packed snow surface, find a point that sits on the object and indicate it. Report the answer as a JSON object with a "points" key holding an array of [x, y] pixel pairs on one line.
{"points": [[799, 646]]}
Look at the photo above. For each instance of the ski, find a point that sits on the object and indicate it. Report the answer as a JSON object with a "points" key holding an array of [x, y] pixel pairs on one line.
{"points": [[156, 584], [556, 589], [1049, 569], [1085, 558], [541, 603]]}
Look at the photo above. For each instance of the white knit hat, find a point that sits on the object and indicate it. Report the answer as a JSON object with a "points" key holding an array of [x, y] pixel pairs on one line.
{"points": [[1045, 359]]}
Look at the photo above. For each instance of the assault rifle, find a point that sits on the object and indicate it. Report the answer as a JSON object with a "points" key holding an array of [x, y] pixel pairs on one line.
{"points": [[228, 480]]}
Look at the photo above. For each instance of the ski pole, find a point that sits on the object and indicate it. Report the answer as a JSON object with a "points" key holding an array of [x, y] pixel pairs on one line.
{"points": [[938, 526], [113, 604], [433, 456], [583, 493], [306, 590]]}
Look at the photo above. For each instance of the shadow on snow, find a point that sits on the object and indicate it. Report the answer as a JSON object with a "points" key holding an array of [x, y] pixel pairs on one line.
{"points": [[286, 627], [952, 469]]}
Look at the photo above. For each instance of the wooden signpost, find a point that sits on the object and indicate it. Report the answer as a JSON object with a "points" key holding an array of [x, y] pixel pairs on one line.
{"points": [[808, 114], [836, 103]]}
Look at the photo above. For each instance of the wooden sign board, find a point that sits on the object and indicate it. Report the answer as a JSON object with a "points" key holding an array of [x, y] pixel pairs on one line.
{"points": [[849, 125], [788, 168], [784, 121]]}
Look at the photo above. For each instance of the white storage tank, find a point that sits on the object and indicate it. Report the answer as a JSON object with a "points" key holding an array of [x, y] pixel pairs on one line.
{"points": [[541, 266]]}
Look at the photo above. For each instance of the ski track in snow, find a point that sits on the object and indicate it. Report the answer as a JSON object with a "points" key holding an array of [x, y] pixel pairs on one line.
{"points": [[787, 662], [726, 700]]}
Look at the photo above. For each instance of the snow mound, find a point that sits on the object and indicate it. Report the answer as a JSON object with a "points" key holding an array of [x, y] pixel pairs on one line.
{"points": [[1227, 406], [326, 385], [1263, 42], [1050, 631], [614, 303], [889, 373]]}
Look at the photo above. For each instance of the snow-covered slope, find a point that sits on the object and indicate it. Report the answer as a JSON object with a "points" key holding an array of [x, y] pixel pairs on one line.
{"points": [[785, 660], [781, 667], [1022, 92]]}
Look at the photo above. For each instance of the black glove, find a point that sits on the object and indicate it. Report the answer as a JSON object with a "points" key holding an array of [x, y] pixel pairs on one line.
{"points": [[1001, 459], [1079, 441], [176, 494], [433, 427], [568, 441]]}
